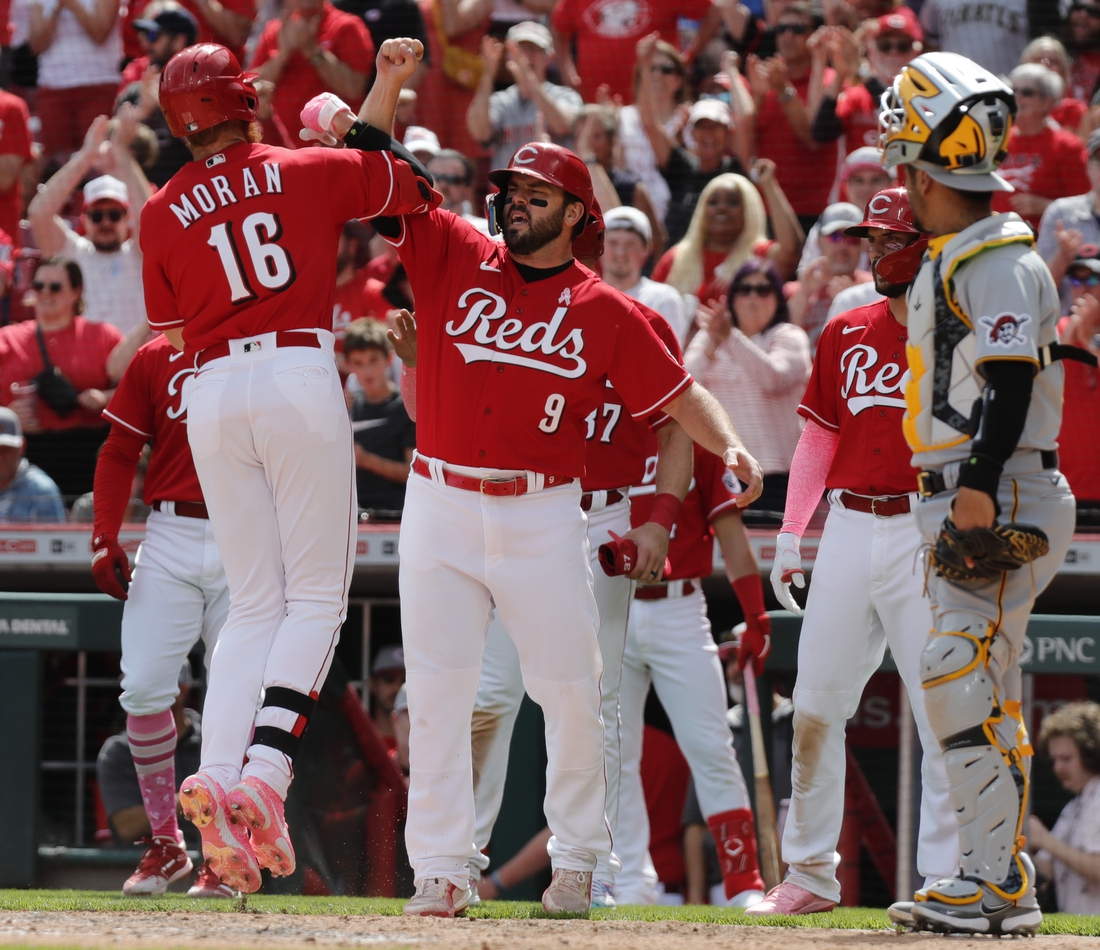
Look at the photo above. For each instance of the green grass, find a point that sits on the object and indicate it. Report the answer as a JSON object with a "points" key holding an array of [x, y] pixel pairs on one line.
{"points": [[843, 918]]}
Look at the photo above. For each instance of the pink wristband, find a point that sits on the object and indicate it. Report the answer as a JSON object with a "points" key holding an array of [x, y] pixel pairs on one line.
{"points": [[666, 506]]}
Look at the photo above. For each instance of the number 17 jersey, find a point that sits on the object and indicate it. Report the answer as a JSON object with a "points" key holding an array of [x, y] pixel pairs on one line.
{"points": [[244, 241]]}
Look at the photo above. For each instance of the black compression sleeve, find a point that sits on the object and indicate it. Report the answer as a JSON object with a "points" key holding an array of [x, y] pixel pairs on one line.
{"points": [[367, 138], [826, 126], [1004, 404]]}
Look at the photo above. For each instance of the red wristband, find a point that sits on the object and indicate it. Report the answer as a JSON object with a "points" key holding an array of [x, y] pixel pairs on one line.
{"points": [[666, 506]]}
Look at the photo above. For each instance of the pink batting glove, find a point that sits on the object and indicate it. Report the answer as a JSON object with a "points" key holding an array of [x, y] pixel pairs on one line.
{"points": [[317, 118]]}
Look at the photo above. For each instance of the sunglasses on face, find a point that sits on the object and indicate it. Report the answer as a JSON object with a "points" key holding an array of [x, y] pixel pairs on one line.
{"points": [[450, 179], [746, 290], [798, 29], [839, 237], [54, 286], [665, 69], [114, 215], [894, 46], [1079, 280]]}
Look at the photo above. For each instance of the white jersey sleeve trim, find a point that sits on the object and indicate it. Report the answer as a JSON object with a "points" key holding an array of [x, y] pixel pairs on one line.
{"points": [[664, 400], [123, 422], [802, 407], [718, 509]]}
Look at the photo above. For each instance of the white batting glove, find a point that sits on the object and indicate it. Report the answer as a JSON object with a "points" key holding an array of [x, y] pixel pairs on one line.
{"points": [[317, 116], [787, 569]]}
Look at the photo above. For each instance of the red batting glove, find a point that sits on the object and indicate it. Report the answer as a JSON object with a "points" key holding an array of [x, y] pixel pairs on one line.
{"points": [[110, 567], [756, 643]]}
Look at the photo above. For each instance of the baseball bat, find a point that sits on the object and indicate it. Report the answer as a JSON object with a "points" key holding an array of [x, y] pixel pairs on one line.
{"points": [[765, 803]]}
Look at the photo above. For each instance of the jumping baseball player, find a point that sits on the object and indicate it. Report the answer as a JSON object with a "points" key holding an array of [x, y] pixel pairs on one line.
{"points": [[669, 644], [616, 452], [867, 592], [239, 267], [176, 595], [983, 409], [517, 345]]}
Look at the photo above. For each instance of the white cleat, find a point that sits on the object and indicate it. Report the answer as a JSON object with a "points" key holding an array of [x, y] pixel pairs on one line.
{"points": [[603, 894], [438, 897], [570, 892]]}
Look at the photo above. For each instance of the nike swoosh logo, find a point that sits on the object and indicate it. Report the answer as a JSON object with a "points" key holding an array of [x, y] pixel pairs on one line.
{"points": [[368, 424], [172, 357], [848, 330], [485, 265]]}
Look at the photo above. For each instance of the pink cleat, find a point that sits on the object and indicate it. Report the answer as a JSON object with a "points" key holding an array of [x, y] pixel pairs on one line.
{"points": [[257, 805], [224, 838], [790, 900]]}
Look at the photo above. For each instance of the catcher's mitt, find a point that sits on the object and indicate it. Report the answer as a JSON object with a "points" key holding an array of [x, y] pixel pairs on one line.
{"points": [[1004, 547]]}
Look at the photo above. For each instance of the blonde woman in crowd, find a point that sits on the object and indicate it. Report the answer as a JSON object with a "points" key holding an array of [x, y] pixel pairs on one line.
{"points": [[727, 229]]}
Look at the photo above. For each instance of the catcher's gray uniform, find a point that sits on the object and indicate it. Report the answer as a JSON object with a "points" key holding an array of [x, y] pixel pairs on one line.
{"points": [[984, 294]]}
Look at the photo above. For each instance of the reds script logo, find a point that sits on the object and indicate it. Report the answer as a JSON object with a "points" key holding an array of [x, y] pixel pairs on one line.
{"points": [[1007, 329], [497, 337], [618, 18], [859, 389], [176, 388]]}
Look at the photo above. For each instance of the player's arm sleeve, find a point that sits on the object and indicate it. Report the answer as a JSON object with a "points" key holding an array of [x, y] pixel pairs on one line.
{"points": [[160, 300], [813, 457], [820, 400], [114, 474], [366, 138], [642, 370], [718, 486], [1001, 415]]}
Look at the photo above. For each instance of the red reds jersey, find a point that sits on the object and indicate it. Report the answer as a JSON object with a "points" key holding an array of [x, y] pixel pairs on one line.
{"points": [[617, 445], [856, 389], [149, 400], [244, 242], [15, 139], [509, 371], [714, 489]]}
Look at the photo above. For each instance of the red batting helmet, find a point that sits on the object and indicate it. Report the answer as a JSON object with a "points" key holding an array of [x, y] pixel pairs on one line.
{"points": [[202, 86], [890, 210], [555, 166]]}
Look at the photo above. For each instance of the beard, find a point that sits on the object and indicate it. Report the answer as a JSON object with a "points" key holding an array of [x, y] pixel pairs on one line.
{"points": [[885, 288], [107, 244], [538, 234]]}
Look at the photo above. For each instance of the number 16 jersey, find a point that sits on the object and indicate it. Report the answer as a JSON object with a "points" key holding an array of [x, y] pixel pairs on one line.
{"points": [[244, 241]]}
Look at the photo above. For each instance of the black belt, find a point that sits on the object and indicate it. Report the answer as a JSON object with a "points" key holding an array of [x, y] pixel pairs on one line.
{"points": [[932, 483], [614, 496]]}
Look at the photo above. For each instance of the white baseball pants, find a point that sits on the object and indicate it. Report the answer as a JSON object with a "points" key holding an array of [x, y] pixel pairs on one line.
{"points": [[178, 594], [271, 439], [500, 693], [669, 643], [867, 592], [461, 552]]}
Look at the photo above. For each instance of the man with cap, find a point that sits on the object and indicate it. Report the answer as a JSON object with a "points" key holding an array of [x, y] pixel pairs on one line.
{"points": [[166, 33], [865, 594], [627, 243], [493, 512], [983, 411], [503, 121], [387, 676], [1070, 225], [27, 494], [835, 270], [108, 252], [422, 142]]}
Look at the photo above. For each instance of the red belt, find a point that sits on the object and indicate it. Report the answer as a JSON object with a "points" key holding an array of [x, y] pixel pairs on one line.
{"points": [[185, 509], [497, 487], [614, 496], [282, 338], [882, 506], [659, 591]]}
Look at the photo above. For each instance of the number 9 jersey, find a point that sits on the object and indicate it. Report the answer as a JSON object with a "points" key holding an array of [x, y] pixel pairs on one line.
{"points": [[244, 242]]}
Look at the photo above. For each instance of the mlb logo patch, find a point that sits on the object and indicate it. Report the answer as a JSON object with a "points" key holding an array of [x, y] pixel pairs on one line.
{"points": [[253, 346]]}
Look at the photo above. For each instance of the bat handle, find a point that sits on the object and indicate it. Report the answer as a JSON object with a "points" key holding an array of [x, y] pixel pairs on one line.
{"points": [[752, 701]]}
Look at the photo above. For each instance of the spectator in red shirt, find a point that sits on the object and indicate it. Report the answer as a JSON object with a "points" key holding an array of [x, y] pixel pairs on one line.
{"points": [[606, 33], [15, 152], [1044, 160], [891, 41], [1047, 51], [1079, 440], [313, 48], [63, 431], [227, 22], [781, 89], [1082, 36]]}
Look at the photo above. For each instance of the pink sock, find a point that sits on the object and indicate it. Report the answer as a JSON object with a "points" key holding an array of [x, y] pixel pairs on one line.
{"points": [[153, 746]]}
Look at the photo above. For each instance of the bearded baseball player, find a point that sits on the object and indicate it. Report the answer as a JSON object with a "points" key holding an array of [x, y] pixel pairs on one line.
{"points": [[983, 410], [176, 595], [669, 644], [517, 345], [616, 451], [239, 268], [866, 592]]}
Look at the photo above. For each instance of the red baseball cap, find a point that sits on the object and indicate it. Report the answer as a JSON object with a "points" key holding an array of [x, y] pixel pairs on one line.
{"points": [[901, 20]]}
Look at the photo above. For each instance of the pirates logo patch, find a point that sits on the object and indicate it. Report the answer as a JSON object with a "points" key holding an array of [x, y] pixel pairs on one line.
{"points": [[1006, 329]]}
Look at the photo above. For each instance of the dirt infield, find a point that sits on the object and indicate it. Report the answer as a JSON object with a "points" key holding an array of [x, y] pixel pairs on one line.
{"points": [[209, 930]]}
